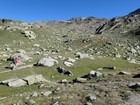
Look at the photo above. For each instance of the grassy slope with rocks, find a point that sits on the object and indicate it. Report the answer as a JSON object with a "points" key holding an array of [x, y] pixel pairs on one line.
{"points": [[78, 35]]}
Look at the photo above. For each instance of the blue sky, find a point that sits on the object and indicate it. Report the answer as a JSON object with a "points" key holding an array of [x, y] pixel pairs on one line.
{"points": [[36, 10]]}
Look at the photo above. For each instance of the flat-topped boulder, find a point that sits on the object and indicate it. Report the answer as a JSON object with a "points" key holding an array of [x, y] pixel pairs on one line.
{"points": [[14, 82], [37, 78], [29, 80]]}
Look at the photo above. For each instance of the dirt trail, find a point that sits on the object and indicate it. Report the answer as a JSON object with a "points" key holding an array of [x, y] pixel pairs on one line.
{"points": [[19, 68]]}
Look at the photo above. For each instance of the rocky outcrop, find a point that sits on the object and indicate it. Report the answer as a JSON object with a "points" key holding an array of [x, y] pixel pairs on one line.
{"points": [[125, 24], [29, 34]]}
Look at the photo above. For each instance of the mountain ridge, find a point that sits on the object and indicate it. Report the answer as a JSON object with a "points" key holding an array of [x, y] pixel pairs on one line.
{"points": [[81, 61]]}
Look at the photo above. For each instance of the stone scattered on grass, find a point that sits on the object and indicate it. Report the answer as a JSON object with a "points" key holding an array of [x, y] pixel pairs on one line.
{"points": [[110, 67], [34, 94], [64, 81], [80, 80], [46, 94], [69, 64], [136, 76], [31, 102], [63, 71], [91, 97], [92, 74], [124, 73], [81, 56], [134, 85]]}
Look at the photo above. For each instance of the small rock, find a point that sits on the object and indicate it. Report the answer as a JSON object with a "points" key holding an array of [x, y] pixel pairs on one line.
{"points": [[134, 85], [109, 67], [8, 49], [132, 61], [47, 93], [31, 102], [91, 97], [37, 53], [71, 60], [58, 88], [124, 73], [100, 69], [69, 64], [95, 73], [55, 103], [64, 81], [136, 76], [133, 50], [87, 103], [117, 55], [81, 56], [80, 80], [34, 94], [21, 51], [36, 45]]}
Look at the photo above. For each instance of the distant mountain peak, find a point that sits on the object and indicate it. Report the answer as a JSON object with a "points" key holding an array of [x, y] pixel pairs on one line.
{"points": [[136, 11]]}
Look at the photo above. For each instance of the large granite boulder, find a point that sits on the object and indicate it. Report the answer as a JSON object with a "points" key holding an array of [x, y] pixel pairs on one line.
{"points": [[48, 61]]}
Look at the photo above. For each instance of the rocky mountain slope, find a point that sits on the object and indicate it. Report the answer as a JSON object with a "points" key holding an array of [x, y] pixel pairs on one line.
{"points": [[122, 25], [81, 61]]}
